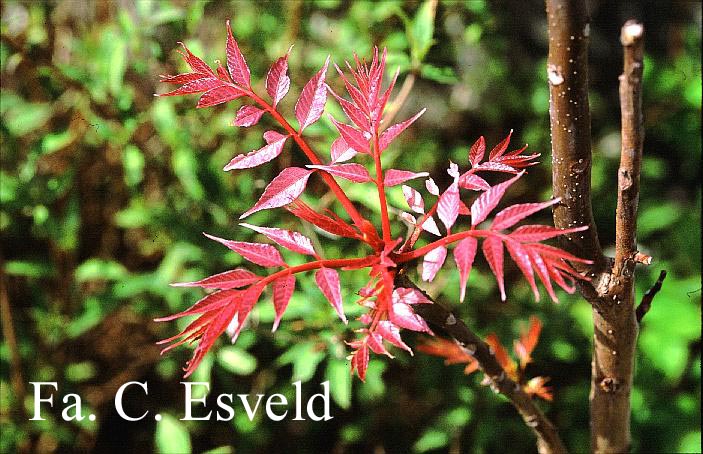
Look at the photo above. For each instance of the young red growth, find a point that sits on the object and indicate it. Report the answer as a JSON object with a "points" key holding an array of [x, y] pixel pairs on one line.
{"points": [[364, 137]]}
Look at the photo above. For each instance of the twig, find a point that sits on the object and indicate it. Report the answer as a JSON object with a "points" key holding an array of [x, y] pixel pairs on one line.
{"points": [[548, 440], [646, 302], [400, 98]]}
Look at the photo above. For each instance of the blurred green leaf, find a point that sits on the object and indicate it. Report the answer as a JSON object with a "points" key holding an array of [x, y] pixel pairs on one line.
{"points": [[340, 379], [99, 269], [236, 360], [172, 436]]}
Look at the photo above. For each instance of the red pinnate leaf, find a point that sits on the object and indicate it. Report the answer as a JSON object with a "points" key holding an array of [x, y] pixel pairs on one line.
{"points": [[352, 137], [327, 280], [311, 103], [219, 95], [360, 361], [179, 79], [283, 288], [414, 199], [493, 251], [277, 80], [478, 149], [235, 278], [464, 255], [486, 202], [392, 132], [326, 223], [496, 167], [528, 341], [236, 64], [394, 177], [352, 172], [543, 273], [294, 241], [210, 302], [432, 263], [522, 259], [258, 157], [514, 214], [375, 343], [248, 116], [499, 149], [356, 115], [448, 206], [341, 151], [282, 190], [261, 254]]}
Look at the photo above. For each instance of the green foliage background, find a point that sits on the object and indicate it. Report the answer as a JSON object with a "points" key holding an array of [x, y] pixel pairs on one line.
{"points": [[105, 191]]}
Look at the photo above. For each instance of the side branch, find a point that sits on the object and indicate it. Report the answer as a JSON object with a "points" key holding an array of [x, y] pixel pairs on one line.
{"points": [[631, 150], [570, 122], [648, 297], [548, 440]]}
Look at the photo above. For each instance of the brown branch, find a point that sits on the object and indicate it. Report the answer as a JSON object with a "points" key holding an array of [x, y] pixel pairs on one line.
{"points": [[548, 440], [8, 332], [648, 297]]}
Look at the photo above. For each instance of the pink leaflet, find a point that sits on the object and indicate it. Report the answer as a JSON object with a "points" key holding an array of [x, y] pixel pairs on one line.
{"points": [[521, 257], [195, 63], [409, 296], [360, 361], [431, 226], [282, 190], [536, 232], [356, 115], [403, 316], [218, 95], [352, 136], [495, 167], [477, 151], [249, 299], [248, 116], [394, 177], [392, 132], [282, 291], [258, 157], [208, 303], [464, 255], [327, 280], [195, 86], [493, 251], [542, 273], [311, 102], [375, 343], [473, 182], [235, 278], [273, 136], [432, 263], [277, 80], [391, 333], [431, 186], [486, 202], [514, 214], [414, 199], [181, 78], [352, 172], [448, 206], [341, 151], [238, 68], [499, 149], [294, 241], [261, 254]]}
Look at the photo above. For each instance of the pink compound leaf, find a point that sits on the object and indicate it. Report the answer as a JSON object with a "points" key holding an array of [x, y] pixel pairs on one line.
{"points": [[516, 213], [394, 131], [499, 149], [433, 262], [282, 190], [478, 149], [473, 182], [493, 251], [448, 206], [294, 241], [352, 137], [391, 334], [341, 151], [219, 95], [521, 257], [360, 361]]}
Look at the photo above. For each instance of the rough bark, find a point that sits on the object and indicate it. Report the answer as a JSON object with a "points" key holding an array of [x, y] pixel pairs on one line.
{"points": [[548, 441], [611, 290]]}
